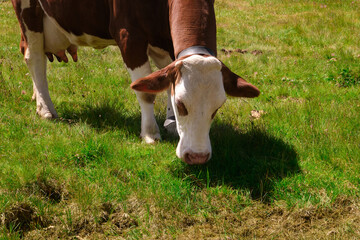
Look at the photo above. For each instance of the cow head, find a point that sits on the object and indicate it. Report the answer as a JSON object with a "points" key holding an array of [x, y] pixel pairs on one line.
{"points": [[198, 86]]}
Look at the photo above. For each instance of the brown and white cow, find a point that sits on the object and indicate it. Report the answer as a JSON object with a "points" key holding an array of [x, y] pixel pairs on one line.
{"points": [[180, 37]]}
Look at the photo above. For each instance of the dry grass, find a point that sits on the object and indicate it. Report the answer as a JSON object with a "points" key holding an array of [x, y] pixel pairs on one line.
{"points": [[340, 220]]}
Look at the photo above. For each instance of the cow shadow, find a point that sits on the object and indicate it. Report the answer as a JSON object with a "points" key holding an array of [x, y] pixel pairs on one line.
{"points": [[246, 160], [250, 161], [103, 116], [110, 116]]}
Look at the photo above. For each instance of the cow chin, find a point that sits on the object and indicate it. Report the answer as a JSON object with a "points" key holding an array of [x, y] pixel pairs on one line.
{"points": [[193, 155]]}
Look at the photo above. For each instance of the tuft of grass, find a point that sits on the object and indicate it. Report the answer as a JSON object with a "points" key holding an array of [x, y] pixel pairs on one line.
{"points": [[90, 155], [346, 77]]}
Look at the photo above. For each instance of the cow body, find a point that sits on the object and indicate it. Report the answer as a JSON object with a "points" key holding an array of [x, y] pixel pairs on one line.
{"points": [[161, 29]]}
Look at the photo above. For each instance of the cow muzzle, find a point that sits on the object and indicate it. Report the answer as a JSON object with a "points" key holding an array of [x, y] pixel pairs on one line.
{"points": [[192, 158]]}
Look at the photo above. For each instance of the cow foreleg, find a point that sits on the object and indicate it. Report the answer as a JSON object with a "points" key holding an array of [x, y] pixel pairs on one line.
{"points": [[170, 122], [161, 59], [35, 59], [149, 129]]}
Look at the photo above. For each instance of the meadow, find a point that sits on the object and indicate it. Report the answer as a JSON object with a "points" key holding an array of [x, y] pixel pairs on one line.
{"points": [[285, 165]]}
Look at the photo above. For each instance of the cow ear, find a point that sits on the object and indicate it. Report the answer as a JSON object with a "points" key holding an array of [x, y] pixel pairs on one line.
{"points": [[235, 86], [157, 81]]}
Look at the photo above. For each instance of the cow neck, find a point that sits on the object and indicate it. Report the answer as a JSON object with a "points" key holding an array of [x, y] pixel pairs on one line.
{"points": [[201, 50], [192, 24]]}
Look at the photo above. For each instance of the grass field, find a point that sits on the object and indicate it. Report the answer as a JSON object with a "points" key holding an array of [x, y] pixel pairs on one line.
{"points": [[292, 173]]}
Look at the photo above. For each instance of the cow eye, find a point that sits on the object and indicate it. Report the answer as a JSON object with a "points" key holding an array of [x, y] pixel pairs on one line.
{"points": [[181, 108], [213, 115]]}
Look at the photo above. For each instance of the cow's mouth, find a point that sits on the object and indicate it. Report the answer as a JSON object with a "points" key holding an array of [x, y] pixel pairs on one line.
{"points": [[196, 158]]}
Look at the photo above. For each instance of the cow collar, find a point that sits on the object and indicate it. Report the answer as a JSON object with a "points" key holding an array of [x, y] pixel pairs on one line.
{"points": [[196, 50]]}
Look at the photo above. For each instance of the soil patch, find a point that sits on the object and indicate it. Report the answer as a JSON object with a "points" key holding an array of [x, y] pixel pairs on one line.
{"points": [[22, 217], [123, 221], [51, 189], [241, 51]]}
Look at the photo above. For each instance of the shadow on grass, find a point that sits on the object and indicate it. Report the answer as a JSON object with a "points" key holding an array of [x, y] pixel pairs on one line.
{"points": [[110, 116], [104, 116], [249, 161]]}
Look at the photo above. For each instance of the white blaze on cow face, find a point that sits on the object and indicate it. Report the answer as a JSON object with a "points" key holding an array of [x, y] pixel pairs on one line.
{"points": [[197, 94]]}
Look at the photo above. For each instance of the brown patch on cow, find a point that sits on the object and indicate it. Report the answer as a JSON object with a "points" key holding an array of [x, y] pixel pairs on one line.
{"points": [[192, 26], [33, 17], [158, 81], [133, 48], [71, 17], [181, 108], [153, 83]]}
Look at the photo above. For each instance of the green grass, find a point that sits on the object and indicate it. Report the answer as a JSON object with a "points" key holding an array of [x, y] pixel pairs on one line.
{"points": [[293, 173]]}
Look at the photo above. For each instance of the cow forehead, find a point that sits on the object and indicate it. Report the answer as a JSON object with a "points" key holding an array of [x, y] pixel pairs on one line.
{"points": [[200, 81], [200, 63], [200, 73]]}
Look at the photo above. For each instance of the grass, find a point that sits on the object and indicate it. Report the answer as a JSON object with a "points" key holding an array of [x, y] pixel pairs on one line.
{"points": [[293, 173]]}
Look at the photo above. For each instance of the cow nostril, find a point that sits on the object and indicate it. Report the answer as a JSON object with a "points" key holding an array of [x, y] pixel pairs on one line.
{"points": [[187, 158], [196, 158]]}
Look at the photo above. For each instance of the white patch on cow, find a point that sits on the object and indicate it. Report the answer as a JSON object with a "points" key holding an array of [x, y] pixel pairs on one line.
{"points": [[201, 90], [161, 59], [55, 40], [36, 61], [149, 129]]}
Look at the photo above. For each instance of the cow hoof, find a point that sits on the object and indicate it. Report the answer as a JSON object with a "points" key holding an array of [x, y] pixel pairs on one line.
{"points": [[171, 128], [47, 115], [152, 139], [33, 98]]}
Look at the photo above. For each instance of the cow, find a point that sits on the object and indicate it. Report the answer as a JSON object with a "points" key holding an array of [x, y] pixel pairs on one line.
{"points": [[178, 35]]}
